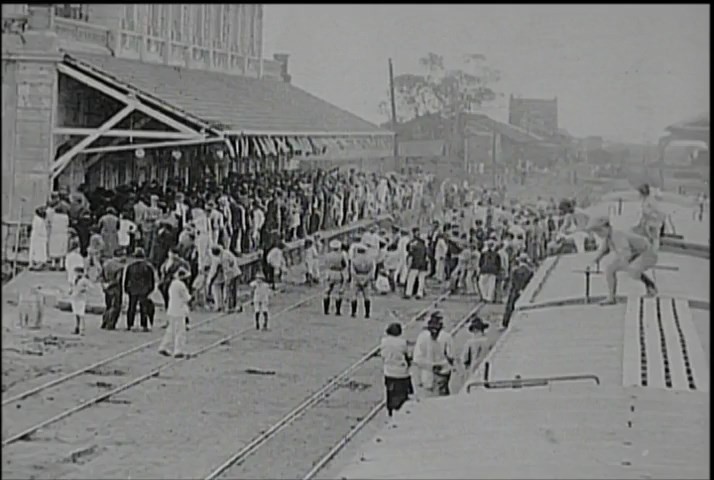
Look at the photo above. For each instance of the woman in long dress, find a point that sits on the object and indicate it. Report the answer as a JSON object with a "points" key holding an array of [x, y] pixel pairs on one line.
{"points": [[58, 236], [109, 228], [39, 237]]}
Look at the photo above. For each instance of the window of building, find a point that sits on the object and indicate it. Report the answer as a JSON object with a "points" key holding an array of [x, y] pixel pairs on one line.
{"points": [[154, 20], [198, 25], [186, 19], [226, 30], [236, 17], [251, 29], [207, 17], [129, 20], [176, 21], [73, 11], [216, 28]]}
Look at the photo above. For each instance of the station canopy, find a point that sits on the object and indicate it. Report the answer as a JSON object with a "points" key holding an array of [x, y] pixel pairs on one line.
{"points": [[256, 117]]}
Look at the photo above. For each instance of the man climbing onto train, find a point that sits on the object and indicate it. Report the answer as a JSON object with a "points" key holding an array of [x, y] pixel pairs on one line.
{"points": [[520, 276], [634, 254]]}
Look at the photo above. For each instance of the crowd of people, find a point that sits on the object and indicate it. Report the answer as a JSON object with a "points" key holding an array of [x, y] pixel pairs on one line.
{"points": [[135, 240], [496, 259]]}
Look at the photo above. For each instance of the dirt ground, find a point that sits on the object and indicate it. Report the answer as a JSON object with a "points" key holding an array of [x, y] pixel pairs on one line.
{"points": [[194, 415]]}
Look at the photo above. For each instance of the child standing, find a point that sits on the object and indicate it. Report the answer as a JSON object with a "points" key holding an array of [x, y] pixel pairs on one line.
{"points": [[78, 295], [261, 297]]}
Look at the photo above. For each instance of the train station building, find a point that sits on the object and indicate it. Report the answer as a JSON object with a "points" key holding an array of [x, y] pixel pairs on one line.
{"points": [[107, 94]]}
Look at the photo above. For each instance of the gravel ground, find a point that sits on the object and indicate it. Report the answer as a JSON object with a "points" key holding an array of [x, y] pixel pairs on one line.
{"points": [[193, 416], [490, 313], [292, 452]]}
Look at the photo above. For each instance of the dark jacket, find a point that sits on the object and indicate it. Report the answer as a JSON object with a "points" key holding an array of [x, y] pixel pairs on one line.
{"points": [[520, 277], [490, 262], [139, 278], [418, 254]]}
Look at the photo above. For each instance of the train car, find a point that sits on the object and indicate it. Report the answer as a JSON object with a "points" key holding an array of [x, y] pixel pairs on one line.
{"points": [[573, 389]]}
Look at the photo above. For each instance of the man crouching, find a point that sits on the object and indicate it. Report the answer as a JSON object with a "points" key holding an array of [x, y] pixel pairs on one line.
{"points": [[634, 254]]}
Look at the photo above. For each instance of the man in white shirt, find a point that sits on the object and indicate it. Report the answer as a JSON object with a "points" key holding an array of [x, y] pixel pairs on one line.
{"points": [[434, 356]]}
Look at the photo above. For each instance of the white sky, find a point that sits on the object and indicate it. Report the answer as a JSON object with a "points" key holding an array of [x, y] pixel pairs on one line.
{"points": [[621, 71]]}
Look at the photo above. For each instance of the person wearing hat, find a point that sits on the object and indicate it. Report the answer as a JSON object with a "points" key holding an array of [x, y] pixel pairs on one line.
{"points": [[138, 284], [109, 228], [78, 297], [418, 262], [362, 271], [149, 222], [433, 355], [475, 346], [336, 263], [489, 269], [173, 342], [634, 254], [112, 271], [520, 276], [261, 299]]}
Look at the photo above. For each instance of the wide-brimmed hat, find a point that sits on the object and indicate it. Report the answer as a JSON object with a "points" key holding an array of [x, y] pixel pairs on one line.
{"points": [[477, 324], [436, 320], [335, 244]]}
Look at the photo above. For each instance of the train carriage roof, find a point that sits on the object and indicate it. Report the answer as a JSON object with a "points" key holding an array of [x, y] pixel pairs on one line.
{"points": [[647, 417]]}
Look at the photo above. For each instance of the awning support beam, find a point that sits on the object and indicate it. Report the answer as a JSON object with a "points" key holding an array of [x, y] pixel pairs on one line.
{"points": [[64, 160], [126, 133], [124, 98], [145, 146], [308, 134]]}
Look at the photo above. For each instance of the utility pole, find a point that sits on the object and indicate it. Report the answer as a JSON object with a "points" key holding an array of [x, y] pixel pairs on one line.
{"points": [[493, 159], [394, 114]]}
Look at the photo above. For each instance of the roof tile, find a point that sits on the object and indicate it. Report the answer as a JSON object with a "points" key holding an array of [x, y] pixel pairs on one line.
{"points": [[233, 102]]}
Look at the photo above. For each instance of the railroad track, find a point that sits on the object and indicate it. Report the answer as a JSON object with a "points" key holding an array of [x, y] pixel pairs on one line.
{"points": [[299, 437], [108, 372]]}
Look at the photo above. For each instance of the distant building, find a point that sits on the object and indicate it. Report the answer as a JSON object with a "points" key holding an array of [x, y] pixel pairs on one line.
{"points": [[534, 115]]}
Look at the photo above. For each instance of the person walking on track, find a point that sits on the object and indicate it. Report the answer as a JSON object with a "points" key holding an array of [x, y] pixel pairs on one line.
{"points": [[335, 266], [174, 340], [362, 273]]}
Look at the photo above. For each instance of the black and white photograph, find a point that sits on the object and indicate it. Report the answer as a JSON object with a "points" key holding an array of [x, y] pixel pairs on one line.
{"points": [[355, 241]]}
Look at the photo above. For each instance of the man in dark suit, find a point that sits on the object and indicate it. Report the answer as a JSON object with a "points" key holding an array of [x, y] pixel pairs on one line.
{"points": [[139, 282], [112, 271]]}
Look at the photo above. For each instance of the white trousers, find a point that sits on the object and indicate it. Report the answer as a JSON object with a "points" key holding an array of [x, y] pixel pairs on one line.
{"points": [[411, 278], [487, 283], [174, 340]]}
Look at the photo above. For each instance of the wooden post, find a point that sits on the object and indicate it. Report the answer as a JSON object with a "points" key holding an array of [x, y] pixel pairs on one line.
{"points": [[394, 115]]}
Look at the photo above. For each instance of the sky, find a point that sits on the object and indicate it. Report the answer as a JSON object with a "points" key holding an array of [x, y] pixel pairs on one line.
{"points": [[624, 72]]}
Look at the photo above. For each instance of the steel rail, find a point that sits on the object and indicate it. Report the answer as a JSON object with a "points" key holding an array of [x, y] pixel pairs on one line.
{"points": [[312, 400], [153, 373], [71, 375], [372, 413], [76, 373]]}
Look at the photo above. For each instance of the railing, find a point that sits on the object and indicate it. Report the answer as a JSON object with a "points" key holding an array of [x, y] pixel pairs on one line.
{"points": [[82, 32], [519, 382]]}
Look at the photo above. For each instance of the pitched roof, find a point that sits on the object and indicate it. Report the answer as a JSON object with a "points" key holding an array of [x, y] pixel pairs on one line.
{"points": [[512, 132], [230, 102]]}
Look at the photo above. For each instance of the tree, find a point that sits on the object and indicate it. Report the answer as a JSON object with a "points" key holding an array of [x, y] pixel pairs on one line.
{"points": [[447, 92]]}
